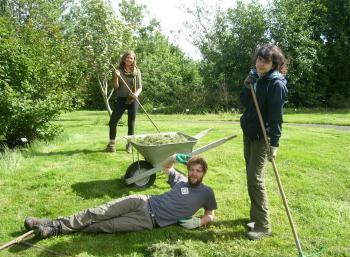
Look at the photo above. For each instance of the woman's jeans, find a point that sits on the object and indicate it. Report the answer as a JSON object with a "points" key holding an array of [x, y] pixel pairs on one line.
{"points": [[119, 108]]}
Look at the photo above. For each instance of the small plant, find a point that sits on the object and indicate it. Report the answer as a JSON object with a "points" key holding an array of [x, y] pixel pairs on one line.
{"points": [[174, 249]]}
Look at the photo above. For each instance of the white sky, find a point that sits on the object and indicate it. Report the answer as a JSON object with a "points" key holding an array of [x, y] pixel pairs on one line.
{"points": [[172, 17]]}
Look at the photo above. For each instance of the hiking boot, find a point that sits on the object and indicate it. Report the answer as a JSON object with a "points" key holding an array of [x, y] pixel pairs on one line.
{"points": [[250, 226], [110, 148], [31, 222], [257, 233], [128, 148], [42, 231]]}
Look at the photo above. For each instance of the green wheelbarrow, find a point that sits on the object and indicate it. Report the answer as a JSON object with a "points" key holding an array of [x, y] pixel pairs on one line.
{"points": [[142, 173]]}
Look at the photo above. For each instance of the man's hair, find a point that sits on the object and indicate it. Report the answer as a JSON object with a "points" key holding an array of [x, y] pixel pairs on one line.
{"points": [[197, 160]]}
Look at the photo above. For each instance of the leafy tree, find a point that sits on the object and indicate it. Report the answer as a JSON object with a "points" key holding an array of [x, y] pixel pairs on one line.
{"points": [[171, 80], [290, 28], [101, 38], [34, 69], [227, 45], [333, 30]]}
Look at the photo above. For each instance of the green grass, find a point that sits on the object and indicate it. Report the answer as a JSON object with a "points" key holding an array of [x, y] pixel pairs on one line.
{"points": [[72, 172]]}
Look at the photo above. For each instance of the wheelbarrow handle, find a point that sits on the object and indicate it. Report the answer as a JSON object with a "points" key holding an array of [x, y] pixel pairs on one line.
{"points": [[212, 145], [202, 133], [159, 165]]}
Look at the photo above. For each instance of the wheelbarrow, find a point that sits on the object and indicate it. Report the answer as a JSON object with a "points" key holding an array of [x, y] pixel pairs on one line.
{"points": [[142, 173]]}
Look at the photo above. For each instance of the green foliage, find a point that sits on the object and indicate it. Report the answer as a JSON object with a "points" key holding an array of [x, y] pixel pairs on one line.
{"points": [[335, 34], [171, 80], [313, 34], [290, 28], [35, 74], [227, 50]]}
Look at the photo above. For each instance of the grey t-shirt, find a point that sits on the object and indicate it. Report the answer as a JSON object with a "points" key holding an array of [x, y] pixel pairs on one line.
{"points": [[182, 201]]}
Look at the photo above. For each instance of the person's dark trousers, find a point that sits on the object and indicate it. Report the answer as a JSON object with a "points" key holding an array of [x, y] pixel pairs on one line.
{"points": [[119, 108], [255, 153]]}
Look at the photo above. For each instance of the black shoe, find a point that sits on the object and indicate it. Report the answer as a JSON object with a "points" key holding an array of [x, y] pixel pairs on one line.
{"points": [[42, 231], [257, 233], [31, 222]]}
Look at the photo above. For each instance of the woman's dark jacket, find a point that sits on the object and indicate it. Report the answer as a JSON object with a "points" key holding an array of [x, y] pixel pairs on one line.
{"points": [[271, 92]]}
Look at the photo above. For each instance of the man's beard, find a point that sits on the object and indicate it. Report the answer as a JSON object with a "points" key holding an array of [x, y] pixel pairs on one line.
{"points": [[194, 184]]}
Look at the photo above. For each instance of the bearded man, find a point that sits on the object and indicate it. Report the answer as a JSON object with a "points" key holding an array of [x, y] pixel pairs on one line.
{"points": [[139, 212]]}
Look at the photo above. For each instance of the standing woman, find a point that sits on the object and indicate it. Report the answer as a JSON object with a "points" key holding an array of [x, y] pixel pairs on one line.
{"points": [[270, 87], [129, 72]]}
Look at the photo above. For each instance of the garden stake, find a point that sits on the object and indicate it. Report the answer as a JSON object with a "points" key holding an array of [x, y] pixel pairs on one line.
{"points": [[17, 240], [279, 183], [137, 100]]}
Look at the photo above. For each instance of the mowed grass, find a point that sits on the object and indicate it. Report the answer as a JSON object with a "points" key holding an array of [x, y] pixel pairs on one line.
{"points": [[72, 172]]}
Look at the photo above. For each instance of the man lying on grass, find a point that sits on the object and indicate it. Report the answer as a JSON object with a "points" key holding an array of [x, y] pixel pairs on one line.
{"points": [[139, 212]]}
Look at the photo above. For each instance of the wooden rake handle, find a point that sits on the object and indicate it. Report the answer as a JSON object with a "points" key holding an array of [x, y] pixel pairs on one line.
{"points": [[17, 240]]}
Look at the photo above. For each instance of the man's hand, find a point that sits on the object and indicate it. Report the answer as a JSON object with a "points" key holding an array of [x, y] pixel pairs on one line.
{"points": [[168, 164], [182, 158], [272, 153], [190, 223]]}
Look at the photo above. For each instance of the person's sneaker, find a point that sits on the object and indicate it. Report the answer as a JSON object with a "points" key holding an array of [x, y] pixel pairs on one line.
{"points": [[30, 222], [110, 148], [257, 234], [128, 148], [42, 231], [250, 226]]}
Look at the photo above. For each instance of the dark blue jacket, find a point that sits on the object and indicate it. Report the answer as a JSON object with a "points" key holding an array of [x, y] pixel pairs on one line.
{"points": [[271, 92]]}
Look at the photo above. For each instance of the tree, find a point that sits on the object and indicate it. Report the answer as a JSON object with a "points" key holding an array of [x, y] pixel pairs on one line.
{"points": [[36, 62], [101, 38], [171, 81], [227, 46], [333, 31], [290, 27]]}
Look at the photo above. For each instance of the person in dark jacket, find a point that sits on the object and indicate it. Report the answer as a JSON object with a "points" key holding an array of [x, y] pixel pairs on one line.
{"points": [[270, 86]]}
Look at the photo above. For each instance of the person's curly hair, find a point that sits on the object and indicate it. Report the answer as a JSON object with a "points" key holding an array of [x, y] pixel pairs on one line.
{"points": [[273, 53]]}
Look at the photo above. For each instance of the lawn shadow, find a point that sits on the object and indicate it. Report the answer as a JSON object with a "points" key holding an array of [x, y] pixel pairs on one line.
{"points": [[99, 244], [33, 242], [69, 153], [114, 188]]}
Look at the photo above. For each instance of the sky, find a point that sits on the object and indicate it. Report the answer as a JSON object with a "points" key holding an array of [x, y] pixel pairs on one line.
{"points": [[172, 17]]}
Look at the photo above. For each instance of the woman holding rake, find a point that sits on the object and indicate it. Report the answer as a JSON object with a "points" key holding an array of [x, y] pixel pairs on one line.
{"points": [[125, 78], [270, 87]]}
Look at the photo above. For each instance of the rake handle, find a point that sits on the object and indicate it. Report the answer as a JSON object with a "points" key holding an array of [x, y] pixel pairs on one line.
{"points": [[137, 100], [279, 182], [17, 240]]}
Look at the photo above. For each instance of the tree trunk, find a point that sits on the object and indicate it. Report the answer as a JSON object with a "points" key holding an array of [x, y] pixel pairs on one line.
{"points": [[106, 96]]}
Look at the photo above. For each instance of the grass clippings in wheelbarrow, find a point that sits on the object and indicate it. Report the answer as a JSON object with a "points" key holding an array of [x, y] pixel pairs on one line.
{"points": [[161, 139]]}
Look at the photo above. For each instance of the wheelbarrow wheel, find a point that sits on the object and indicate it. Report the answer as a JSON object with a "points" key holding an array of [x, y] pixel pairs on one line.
{"points": [[137, 168]]}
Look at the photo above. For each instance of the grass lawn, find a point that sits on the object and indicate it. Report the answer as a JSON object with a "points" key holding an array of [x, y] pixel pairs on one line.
{"points": [[72, 172]]}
